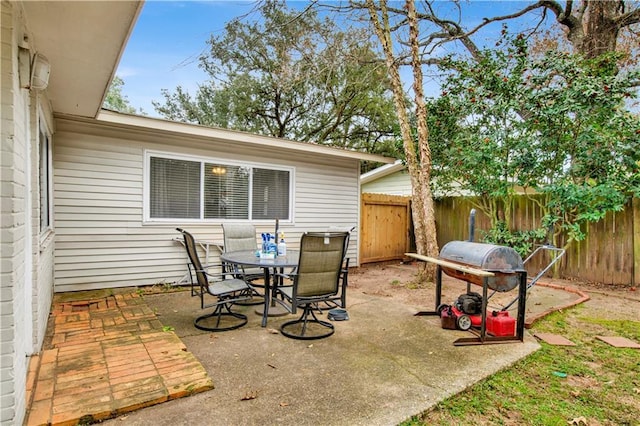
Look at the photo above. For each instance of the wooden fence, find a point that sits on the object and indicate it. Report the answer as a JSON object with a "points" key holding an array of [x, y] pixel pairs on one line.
{"points": [[385, 227], [610, 253]]}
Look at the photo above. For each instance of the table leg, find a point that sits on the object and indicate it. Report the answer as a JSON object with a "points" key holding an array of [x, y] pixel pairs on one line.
{"points": [[267, 297]]}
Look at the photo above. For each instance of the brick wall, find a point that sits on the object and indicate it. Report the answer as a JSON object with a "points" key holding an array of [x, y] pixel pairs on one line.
{"points": [[25, 299]]}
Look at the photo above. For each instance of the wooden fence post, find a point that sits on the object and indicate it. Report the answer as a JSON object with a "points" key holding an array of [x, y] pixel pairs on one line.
{"points": [[635, 278]]}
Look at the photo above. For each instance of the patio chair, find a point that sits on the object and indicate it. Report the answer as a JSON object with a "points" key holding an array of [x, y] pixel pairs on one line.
{"points": [[212, 280], [340, 300], [316, 280], [242, 237]]}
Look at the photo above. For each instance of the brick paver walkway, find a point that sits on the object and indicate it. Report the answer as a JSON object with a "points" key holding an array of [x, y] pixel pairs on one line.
{"points": [[108, 356]]}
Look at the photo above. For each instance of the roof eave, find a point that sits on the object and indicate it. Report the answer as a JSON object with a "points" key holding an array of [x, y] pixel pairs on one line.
{"points": [[382, 171], [121, 120]]}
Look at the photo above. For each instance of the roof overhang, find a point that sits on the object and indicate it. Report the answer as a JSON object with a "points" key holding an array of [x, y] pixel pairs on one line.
{"points": [[83, 42], [382, 171], [149, 125]]}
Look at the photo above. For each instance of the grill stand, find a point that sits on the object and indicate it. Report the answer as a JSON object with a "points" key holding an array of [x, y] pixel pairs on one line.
{"points": [[478, 276]]}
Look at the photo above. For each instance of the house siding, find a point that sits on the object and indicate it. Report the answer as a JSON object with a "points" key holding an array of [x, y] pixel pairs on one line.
{"points": [[26, 274], [101, 239], [398, 183]]}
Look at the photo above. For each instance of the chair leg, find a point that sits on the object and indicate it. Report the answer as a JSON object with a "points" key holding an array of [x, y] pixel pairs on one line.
{"points": [[219, 314], [297, 329], [253, 298]]}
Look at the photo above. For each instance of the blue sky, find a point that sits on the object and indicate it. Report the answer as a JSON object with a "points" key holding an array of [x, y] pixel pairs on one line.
{"points": [[169, 36], [164, 46]]}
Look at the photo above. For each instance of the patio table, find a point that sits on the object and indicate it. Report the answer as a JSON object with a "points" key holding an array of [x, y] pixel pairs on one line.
{"points": [[249, 258]]}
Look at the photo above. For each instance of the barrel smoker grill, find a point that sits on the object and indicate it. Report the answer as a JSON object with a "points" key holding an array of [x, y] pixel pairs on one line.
{"points": [[504, 262], [494, 267]]}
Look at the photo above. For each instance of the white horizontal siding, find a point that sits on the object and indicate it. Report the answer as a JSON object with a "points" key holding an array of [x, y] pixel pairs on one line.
{"points": [[101, 241], [398, 183]]}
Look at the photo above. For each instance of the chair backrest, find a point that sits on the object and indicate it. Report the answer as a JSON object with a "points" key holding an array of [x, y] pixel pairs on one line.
{"points": [[346, 229], [239, 237], [320, 264], [190, 246]]}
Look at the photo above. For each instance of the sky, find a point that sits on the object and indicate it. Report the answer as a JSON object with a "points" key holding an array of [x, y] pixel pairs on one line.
{"points": [[169, 36], [164, 46]]}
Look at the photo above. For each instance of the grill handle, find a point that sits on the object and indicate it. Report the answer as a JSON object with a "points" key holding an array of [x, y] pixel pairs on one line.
{"points": [[506, 271]]}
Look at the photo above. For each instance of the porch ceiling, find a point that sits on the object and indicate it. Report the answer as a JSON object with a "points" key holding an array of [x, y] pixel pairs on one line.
{"points": [[83, 41]]}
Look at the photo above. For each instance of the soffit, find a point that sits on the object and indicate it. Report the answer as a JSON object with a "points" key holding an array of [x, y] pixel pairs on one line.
{"points": [[83, 42]]}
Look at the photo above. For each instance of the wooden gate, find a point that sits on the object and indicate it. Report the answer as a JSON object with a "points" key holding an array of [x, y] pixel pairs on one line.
{"points": [[385, 227]]}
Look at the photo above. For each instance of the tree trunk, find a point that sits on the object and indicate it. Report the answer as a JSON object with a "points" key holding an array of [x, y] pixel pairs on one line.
{"points": [[427, 242], [419, 168], [601, 30]]}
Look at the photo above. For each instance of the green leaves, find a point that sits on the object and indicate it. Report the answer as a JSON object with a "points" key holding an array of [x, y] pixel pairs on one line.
{"points": [[521, 241], [558, 126], [115, 100]]}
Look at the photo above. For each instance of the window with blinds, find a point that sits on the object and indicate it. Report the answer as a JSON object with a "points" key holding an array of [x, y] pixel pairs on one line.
{"points": [[201, 189]]}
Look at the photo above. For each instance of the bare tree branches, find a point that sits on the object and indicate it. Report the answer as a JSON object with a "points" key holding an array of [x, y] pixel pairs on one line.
{"points": [[591, 26]]}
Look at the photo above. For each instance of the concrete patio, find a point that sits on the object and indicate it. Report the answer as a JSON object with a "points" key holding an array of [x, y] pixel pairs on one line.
{"points": [[381, 367]]}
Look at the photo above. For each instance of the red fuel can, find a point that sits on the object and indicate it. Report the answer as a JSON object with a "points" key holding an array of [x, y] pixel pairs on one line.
{"points": [[499, 323]]}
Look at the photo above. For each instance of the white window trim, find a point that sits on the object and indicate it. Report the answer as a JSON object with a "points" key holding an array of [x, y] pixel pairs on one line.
{"points": [[43, 127], [147, 220]]}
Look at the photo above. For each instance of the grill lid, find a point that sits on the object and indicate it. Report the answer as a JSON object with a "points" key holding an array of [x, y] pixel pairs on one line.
{"points": [[504, 261], [489, 257]]}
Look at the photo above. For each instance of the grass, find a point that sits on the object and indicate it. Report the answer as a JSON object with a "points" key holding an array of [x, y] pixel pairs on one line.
{"points": [[160, 287], [601, 387]]}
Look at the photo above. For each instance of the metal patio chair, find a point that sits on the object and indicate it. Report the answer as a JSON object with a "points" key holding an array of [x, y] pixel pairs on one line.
{"points": [[340, 299], [213, 281], [317, 279], [242, 237]]}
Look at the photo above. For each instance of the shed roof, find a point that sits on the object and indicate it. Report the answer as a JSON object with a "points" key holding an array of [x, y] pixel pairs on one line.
{"points": [[382, 171]]}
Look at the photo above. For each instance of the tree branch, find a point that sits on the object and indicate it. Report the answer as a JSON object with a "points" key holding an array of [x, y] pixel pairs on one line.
{"points": [[628, 19]]}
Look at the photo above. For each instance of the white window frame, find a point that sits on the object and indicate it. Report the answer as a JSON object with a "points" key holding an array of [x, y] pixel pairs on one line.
{"points": [[43, 129], [146, 191]]}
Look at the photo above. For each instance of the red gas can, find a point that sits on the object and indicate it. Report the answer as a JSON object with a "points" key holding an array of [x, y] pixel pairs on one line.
{"points": [[499, 323]]}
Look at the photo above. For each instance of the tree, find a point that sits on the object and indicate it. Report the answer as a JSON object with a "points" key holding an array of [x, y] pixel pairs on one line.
{"points": [[115, 100], [291, 75], [579, 115], [416, 146], [591, 27], [557, 127], [490, 150]]}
